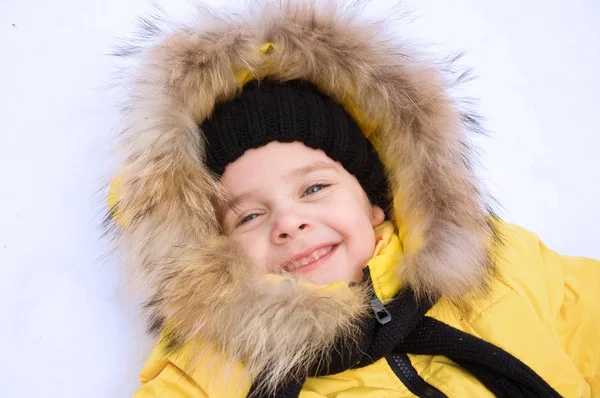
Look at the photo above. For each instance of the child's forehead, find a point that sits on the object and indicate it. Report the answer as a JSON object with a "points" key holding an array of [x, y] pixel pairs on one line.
{"points": [[285, 160]]}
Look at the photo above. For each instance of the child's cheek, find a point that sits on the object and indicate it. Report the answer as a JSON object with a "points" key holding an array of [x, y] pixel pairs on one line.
{"points": [[257, 252]]}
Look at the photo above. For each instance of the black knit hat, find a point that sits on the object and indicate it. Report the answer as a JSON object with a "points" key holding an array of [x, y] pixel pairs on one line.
{"points": [[267, 111]]}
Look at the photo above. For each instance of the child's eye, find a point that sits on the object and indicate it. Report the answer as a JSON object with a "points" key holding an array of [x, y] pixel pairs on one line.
{"points": [[314, 188], [247, 218]]}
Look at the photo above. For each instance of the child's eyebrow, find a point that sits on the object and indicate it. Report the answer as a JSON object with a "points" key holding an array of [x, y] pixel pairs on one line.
{"points": [[300, 171], [234, 201]]}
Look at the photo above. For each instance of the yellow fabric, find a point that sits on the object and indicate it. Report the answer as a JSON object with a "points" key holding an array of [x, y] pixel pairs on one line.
{"points": [[387, 248], [544, 309], [243, 75], [212, 377]]}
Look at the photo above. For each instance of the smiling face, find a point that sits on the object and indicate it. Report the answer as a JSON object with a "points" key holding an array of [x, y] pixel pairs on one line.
{"points": [[293, 209]]}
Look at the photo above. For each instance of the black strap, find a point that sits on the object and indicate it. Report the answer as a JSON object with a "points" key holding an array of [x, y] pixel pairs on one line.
{"points": [[499, 371], [409, 331]]}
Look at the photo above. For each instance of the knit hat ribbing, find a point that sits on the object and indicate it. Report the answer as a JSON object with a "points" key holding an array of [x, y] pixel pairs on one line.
{"points": [[291, 111]]}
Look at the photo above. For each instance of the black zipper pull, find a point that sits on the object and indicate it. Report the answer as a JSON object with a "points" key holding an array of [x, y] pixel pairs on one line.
{"points": [[382, 314]]}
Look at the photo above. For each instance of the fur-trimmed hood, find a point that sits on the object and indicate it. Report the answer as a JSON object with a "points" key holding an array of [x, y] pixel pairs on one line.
{"points": [[197, 281]]}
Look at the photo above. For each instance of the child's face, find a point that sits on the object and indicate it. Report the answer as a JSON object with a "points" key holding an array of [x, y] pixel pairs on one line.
{"points": [[295, 208]]}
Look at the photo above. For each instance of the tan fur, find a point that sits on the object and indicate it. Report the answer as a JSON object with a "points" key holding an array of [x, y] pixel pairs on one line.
{"points": [[203, 291], [275, 324]]}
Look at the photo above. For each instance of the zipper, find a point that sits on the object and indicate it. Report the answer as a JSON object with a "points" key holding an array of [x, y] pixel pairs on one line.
{"points": [[402, 367], [400, 363]]}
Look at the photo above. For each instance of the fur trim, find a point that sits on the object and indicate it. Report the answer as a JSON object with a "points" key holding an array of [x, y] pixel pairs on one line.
{"points": [[278, 325], [167, 195]]}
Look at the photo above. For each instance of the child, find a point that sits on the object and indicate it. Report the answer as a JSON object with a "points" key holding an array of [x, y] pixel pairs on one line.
{"points": [[299, 203]]}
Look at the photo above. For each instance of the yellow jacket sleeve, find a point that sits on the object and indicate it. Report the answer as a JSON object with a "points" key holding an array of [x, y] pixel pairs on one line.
{"points": [[564, 292], [170, 382], [578, 318], [165, 376]]}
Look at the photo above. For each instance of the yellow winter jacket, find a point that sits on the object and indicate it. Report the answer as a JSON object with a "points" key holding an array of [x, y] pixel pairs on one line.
{"points": [[201, 295], [544, 309]]}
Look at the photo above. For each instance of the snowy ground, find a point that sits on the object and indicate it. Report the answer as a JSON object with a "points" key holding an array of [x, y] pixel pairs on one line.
{"points": [[67, 326]]}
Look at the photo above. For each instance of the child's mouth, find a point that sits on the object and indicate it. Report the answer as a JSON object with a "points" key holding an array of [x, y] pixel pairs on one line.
{"points": [[310, 261]]}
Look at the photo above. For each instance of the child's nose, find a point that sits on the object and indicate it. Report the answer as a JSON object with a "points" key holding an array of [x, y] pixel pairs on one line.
{"points": [[288, 226]]}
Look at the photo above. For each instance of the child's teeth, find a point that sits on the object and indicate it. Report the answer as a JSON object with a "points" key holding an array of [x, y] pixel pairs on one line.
{"points": [[317, 254]]}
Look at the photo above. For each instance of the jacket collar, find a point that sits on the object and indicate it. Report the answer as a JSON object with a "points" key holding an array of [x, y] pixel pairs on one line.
{"points": [[384, 264]]}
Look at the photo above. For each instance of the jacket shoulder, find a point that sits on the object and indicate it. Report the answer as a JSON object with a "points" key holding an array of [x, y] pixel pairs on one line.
{"points": [[207, 375]]}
